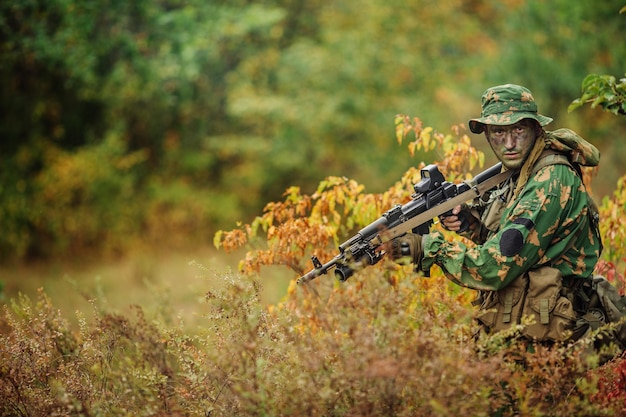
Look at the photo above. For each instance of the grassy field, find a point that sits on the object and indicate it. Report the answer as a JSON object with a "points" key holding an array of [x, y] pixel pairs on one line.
{"points": [[173, 280], [208, 345]]}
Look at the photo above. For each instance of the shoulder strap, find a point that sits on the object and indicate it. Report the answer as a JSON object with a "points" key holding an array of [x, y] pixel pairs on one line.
{"points": [[551, 157]]}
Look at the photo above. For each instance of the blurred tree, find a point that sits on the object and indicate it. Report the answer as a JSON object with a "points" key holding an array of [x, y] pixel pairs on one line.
{"points": [[230, 102], [328, 101], [550, 47], [153, 72]]}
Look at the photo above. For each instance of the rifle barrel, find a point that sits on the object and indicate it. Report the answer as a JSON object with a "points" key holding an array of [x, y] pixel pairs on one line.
{"points": [[314, 273]]}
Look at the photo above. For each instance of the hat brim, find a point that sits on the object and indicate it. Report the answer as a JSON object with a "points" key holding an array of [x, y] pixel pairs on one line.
{"points": [[504, 119]]}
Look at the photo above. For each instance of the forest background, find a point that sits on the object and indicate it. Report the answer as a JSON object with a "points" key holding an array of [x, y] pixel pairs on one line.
{"points": [[153, 124], [133, 133]]}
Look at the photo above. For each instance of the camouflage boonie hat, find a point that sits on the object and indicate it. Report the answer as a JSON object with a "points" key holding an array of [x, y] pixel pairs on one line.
{"points": [[505, 105]]}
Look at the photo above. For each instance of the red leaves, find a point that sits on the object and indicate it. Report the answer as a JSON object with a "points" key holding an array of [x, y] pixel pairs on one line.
{"points": [[612, 386], [609, 271]]}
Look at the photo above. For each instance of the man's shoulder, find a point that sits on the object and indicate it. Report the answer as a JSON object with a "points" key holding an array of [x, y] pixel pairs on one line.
{"points": [[551, 157], [554, 165]]}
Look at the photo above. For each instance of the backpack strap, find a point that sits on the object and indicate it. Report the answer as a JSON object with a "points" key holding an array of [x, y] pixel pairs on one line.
{"points": [[552, 157]]}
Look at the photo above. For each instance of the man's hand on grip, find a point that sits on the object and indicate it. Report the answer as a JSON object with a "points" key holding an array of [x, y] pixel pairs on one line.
{"points": [[409, 245]]}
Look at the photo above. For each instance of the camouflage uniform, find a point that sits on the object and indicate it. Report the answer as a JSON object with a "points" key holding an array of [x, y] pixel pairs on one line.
{"points": [[541, 218], [547, 224]]}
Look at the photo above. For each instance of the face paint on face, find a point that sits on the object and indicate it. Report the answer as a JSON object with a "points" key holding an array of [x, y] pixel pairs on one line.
{"points": [[512, 143]]}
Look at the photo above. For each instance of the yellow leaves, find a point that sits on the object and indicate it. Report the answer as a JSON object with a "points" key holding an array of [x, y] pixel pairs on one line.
{"points": [[289, 230], [400, 132], [217, 239], [613, 223], [459, 156], [405, 125], [425, 138]]}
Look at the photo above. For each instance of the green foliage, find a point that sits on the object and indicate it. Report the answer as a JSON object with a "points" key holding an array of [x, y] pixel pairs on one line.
{"points": [[150, 74], [71, 196], [602, 90], [68, 201], [540, 40], [230, 103], [97, 199]]}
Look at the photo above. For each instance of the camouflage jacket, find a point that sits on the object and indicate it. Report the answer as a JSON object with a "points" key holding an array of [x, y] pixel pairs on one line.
{"points": [[548, 223]]}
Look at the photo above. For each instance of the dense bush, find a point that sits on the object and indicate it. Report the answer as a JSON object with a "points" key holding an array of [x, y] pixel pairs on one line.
{"points": [[387, 342], [74, 204], [374, 347], [367, 349]]}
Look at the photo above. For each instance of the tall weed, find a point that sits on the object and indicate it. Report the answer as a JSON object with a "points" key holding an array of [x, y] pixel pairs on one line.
{"points": [[375, 347]]}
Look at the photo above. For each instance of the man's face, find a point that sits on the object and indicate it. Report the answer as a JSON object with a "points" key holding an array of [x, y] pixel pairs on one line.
{"points": [[512, 143]]}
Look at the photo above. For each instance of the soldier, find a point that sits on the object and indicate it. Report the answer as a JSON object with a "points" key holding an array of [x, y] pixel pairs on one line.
{"points": [[536, 236]]}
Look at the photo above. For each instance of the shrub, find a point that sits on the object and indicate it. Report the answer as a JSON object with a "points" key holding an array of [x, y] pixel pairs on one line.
{"points": [[375, 347], [385, 343]]}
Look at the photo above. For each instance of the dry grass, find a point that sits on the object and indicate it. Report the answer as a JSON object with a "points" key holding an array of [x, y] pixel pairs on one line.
{"points": [[368, 348], [150, 279]]}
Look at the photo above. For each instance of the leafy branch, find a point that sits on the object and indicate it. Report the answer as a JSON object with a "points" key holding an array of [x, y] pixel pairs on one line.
{"points": [[602, 90], [287, 231]]}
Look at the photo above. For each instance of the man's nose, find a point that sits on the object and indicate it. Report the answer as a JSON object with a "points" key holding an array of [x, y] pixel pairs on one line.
{"points": [[509, 141]]}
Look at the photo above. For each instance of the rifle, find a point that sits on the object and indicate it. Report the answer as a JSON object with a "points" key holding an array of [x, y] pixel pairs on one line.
{"points": [[433, 197]]}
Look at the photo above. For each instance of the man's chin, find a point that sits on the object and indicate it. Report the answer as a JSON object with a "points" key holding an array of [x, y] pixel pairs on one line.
{"points": [[512, 164]]}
